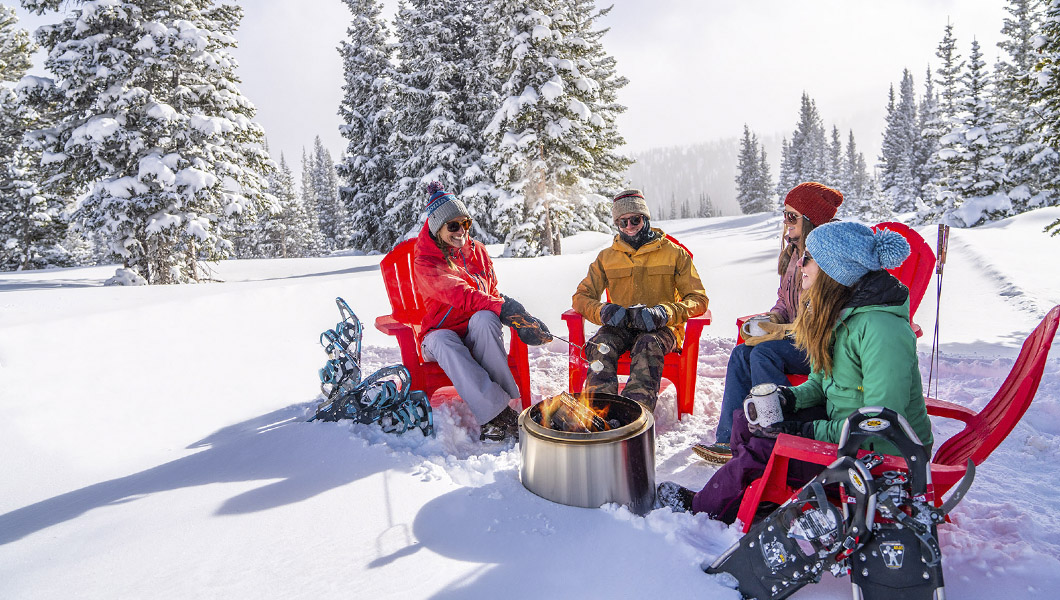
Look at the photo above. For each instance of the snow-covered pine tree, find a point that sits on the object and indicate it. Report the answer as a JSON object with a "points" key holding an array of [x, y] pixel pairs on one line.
{"points": [[445, 93], [324, 181], [834, 171], [366, 168], [805, 157], [766, 189], [974, 195], [749, 177], [32, 227], [289, 232], [150, 119], [942, 173], [857, 186], [543, 139], [897, 154], [925, 143], [1044, 91], [1029, 162]]}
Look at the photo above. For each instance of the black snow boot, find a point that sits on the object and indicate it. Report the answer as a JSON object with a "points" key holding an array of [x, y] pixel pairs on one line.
{"points": [[673, 496], [503, 427]]}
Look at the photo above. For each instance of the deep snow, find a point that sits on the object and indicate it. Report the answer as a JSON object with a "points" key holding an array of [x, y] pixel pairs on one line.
{"points": [[153, 441]]}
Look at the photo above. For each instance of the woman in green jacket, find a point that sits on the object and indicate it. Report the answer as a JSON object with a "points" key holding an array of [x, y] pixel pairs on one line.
{"points": [[853, 323]]}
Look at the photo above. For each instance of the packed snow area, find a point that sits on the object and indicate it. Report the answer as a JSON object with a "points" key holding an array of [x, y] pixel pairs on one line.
{"points": [[154, 443]]}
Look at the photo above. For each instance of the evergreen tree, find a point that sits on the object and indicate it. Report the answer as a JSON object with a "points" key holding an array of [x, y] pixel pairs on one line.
{"points": [[805, 157], [765, 183], [858, 187], [1044, 92], [147, 114], [943, 175], [751, 194], [926, 142], [543, 140], [32, 227], [834, 171], [1029, 162], [323, 182], [972, 154], [288, 232], [897, 165], [445, 94], [367, 169]]}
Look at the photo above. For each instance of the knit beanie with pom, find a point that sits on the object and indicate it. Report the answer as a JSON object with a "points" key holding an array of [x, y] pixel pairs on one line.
{"points": [[816, 201], [846, 250], [442, 207]]}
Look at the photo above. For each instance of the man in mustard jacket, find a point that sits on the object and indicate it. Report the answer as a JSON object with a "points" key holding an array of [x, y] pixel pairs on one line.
{"points": [[652, 287]]}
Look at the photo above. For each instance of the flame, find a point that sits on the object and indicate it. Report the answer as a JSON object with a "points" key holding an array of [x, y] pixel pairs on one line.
{"points": [[577, 414]]}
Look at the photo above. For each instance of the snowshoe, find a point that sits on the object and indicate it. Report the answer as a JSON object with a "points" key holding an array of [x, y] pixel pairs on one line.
{"points": [[885, 537]]}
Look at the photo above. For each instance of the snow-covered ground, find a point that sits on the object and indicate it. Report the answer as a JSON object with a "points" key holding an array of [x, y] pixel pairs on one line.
{"points": [[153, 441]]}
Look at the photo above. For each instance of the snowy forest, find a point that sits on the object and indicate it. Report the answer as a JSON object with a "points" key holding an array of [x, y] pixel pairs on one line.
{"points": [[139, 148]]}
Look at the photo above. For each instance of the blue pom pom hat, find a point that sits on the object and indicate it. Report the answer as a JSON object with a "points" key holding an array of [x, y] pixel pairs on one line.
{"points": [[442, 207], [846, 251]]}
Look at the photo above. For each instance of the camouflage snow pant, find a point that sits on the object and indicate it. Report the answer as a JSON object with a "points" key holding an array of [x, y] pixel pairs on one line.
{"points": [[647, 350]]}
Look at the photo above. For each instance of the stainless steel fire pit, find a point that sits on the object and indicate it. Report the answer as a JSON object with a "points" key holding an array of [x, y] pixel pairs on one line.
{"points": [[591, 469]]}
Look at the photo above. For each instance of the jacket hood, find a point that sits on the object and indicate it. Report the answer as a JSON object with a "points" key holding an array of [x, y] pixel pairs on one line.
{"points": [[879, 290]]}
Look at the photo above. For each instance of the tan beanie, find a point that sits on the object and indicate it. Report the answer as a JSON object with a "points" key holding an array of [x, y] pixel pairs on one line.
{"points": [[629, 201]]}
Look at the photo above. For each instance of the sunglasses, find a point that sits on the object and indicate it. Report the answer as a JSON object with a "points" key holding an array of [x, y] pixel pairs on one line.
{"points": [[455, 226], [805, 257], [791, 217], [635, 221]]}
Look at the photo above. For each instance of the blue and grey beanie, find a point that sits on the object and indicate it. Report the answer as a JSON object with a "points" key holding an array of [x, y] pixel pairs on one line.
{"points": [[442, 207], [846, 251]]}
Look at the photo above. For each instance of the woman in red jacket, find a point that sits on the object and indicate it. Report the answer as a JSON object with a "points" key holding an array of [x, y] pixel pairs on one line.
{"points": [[461, 328]]}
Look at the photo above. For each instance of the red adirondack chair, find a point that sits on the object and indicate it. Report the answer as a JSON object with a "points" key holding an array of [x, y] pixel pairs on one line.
{"points": [[404, 324], [679, 367], [982, 433]]}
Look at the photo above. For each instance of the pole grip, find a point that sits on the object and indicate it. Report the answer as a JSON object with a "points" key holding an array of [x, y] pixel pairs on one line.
{"points": [[943, 242]]}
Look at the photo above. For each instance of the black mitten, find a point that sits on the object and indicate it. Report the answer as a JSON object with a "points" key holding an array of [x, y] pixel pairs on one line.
{"points": [[612, 314], [799, 428], [511, 310], [649, 318]]}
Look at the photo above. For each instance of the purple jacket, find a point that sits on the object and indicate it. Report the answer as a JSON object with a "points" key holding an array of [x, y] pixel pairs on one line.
{"points": [[790, 289]]}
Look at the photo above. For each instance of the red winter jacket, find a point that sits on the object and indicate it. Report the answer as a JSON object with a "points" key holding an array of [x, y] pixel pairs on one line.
{"points": [[453, 293]]}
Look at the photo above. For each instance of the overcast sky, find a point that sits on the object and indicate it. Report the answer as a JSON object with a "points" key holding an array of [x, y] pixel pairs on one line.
{"points": [[698, 69]]}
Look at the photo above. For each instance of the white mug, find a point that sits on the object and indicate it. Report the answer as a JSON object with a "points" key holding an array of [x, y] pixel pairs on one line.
{"points": [[762, 405]]}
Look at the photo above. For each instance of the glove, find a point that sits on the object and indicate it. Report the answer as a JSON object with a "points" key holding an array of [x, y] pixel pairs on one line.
{"points": [[649, 318], [612, 314], [787, 400], [799, 428], [775, 317], [511, 310], [773, 331], [534, 332]]}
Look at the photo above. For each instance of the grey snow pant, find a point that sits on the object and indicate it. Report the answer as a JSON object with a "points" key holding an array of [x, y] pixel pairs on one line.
{"points": [[476, 364]]}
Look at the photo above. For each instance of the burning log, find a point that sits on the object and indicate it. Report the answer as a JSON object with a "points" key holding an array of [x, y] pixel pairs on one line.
{"points": [[566, 413]]}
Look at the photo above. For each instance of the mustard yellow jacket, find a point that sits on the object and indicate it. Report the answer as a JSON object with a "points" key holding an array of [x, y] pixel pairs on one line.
{"points": [[659, 272]]}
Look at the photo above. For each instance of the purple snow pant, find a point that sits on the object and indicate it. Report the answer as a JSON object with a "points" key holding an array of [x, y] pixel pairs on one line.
{"points": [[721, 497]]}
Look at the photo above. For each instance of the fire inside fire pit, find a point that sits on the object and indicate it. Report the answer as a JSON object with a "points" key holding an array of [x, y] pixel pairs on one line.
{"points": [[589, 451]]}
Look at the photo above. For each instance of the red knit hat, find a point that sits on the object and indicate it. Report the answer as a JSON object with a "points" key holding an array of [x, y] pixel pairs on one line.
{"points": [[816, 201]]}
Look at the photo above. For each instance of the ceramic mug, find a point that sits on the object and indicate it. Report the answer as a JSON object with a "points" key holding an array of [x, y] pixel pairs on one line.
{"points": [[752, 327], [762, 405]]}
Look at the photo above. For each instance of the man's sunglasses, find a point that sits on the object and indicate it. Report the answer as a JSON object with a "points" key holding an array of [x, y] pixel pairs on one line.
{"points": [[791, 217], [635, 221], [455, 226]]}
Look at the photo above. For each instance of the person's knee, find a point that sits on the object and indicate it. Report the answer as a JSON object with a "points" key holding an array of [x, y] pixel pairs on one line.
{"points": [[484, 318], [439, 342], [649, 342]]}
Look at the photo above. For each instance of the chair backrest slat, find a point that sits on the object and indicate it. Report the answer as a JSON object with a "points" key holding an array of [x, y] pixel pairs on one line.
{"points": [[405, 301]]}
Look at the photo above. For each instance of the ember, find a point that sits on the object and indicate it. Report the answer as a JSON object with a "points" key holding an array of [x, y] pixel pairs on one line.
{"points": [[575, 415]]}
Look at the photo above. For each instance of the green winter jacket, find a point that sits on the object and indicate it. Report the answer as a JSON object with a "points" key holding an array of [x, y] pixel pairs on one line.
{"points": [[874, 364]]}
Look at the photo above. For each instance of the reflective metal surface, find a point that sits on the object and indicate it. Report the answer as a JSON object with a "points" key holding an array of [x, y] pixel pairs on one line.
{"points": [[591, 469]]}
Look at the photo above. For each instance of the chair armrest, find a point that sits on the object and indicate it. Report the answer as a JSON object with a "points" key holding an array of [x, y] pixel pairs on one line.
{"points": [[694, 329], [575, 326], [406, 338], [949, 410], [916, 329], [824, 453]]}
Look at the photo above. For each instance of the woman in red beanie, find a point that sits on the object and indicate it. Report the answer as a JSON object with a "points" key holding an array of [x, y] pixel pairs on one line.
{"points": [[768, 360]]}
